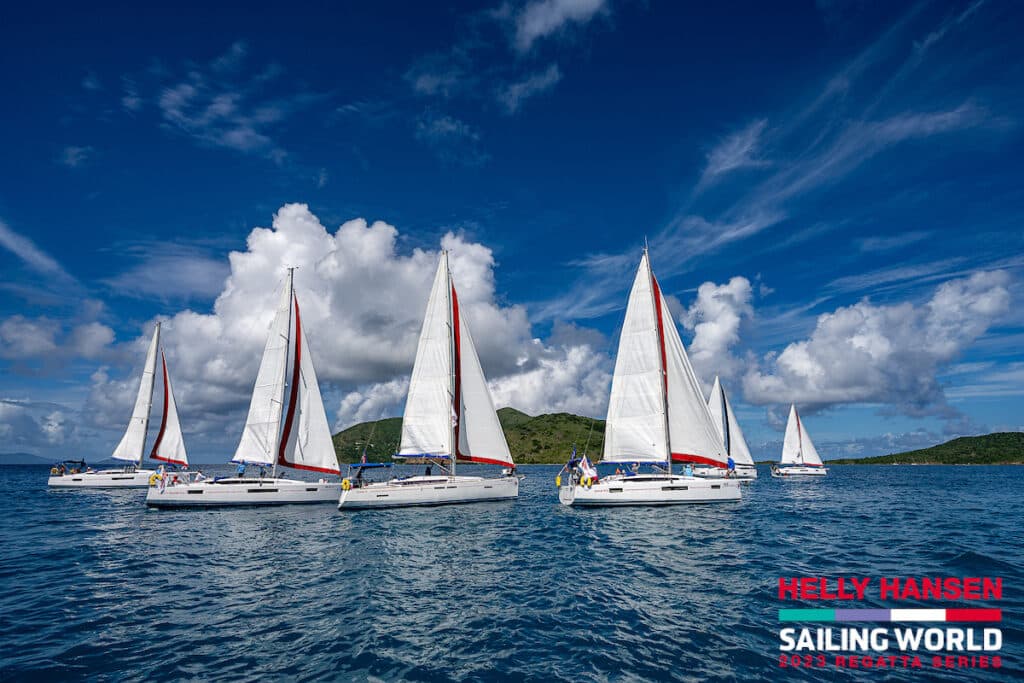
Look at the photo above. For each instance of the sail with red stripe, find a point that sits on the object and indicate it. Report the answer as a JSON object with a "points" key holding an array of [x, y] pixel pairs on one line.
{"points": [[656, 410], [170, 443]]}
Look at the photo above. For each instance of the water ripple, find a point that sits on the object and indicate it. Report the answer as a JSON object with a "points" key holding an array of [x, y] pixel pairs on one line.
{"points": [[94, 586]]}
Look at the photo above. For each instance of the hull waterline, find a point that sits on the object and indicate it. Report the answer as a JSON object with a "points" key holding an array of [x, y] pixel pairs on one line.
{"points": [[798, 471], [429, 491], [243, 492], [650, 490], [743, 473], [102, 479]]}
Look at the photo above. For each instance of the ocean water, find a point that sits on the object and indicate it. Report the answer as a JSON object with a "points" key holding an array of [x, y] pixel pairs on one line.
{"points": [[93, 586]]}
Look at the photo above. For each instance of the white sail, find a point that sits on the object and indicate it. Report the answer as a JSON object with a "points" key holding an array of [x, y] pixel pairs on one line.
{"points": [[797, 447], [693, 435], [635, 429], [306, 443], [259, 442], [481, 438], [170, 443], [426, 423], [725, 419], [133, 444]]}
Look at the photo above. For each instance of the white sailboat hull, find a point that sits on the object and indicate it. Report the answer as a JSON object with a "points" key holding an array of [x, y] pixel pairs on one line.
{"points": [[743, 473], [425, 490], [102, 479], [798, 471], [650, 490], [238, 492]]}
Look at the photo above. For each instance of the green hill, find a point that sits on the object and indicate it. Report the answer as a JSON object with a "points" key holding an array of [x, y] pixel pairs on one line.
{"points": [[540, 439], [1002, 448]]}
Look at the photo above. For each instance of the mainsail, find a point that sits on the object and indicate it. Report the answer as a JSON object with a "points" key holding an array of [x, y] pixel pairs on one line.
{"points": [[724, 418], [259, 442], [170, 444], [133, 444], [428, 417], [656, 410], [797, 447], [306, 442], [449, 402]]}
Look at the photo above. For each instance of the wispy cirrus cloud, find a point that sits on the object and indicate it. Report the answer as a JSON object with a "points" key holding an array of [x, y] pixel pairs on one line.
{"points": [[513, 95], [453, 141], [34, 257], [169, 271], [736, 151], [225, 104], [544, 18], [74, 156]]}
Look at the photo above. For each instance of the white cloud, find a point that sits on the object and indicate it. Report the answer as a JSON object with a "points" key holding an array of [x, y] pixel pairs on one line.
{"points": [[362, 304], [892, 354], [75, 156], [715, 318], [36, 427], [543, 18], [513, 95], [50, 340], [571, 379]]}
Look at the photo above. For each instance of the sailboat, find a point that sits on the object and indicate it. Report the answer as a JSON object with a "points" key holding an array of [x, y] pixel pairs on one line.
{"points": [[656, 415], [799, 456], [449, 418], [735, 445], [169, 445], [299, 439]]}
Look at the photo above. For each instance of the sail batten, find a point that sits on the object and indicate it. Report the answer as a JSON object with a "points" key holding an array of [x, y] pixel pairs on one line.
{"points": [[132, 446]]}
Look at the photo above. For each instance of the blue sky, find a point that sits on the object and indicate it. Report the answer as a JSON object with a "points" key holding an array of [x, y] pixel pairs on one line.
{"points": [[831, 192]]}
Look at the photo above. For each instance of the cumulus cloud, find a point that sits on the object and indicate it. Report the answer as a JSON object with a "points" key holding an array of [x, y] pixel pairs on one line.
{"points": [[543, 18], [35, 426], [362, 303], [866, 353], [50, 340], [715, 318]]}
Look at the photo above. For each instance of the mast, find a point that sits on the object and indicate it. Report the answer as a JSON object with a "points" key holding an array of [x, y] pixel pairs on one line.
{"points": [[664, 370], [453, 389], [284, 368]]}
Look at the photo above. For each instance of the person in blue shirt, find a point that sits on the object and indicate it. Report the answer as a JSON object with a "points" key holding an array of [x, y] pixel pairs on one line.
{"points": [[687, 470], [731, 465], [241, 469]]}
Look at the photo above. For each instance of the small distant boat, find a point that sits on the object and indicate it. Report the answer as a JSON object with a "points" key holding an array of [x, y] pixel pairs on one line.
{"points": [[735, 444], [449, 418], [169, 446], [656, 415], [303, 441], [799, 456]]}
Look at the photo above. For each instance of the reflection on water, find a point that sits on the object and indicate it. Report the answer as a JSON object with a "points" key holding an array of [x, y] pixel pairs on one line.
{"points": [[94, 585]]}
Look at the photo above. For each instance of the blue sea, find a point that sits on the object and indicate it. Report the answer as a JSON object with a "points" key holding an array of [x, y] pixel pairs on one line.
{"points": [[93, 586]]}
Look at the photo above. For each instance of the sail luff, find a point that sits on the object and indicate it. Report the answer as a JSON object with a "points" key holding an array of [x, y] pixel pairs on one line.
{"points": [[132, 446], [656, 302]]}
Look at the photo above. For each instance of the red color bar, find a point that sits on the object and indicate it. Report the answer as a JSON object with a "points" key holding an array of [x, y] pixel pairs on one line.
{"points": [[974, 615]]}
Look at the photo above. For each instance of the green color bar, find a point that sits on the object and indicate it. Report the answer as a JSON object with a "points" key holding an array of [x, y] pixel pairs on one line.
{"points": [[807, 615]]}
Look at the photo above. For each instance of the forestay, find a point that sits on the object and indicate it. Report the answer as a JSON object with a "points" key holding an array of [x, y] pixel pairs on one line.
{"points": [[259, 444], [306, 443], [724, 418], [133, 443], [170, 443], [427, 420]]}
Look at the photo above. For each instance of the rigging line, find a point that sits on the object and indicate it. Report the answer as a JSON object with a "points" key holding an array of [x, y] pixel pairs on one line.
{"points": [[592, 421]]}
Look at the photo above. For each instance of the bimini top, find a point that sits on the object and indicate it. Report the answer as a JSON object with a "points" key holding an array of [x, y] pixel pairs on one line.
{"points": [[371, 465]]}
